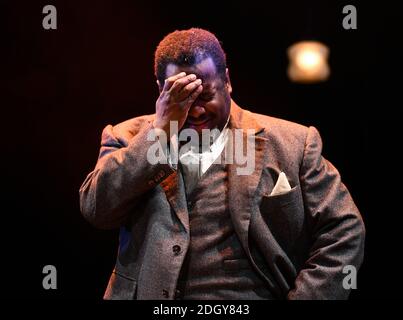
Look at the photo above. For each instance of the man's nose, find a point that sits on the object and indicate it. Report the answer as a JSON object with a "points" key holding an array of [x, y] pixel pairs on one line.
{"points": [[196, 111]]}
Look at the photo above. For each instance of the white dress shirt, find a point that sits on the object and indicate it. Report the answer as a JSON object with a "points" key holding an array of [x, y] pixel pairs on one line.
{"points": [[194, 163]]}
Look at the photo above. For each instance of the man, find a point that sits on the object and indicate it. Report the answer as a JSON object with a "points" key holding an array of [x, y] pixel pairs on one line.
{"points": [[201, 230]]}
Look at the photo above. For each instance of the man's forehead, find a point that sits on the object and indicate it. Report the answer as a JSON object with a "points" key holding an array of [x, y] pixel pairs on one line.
{"points": [[204, 70]]}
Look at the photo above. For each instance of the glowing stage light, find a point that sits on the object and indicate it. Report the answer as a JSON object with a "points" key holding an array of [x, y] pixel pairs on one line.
{"points": [[308, 62]]}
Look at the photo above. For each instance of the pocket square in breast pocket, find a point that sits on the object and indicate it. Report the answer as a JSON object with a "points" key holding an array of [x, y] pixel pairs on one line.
{"points": [[282, 185]]}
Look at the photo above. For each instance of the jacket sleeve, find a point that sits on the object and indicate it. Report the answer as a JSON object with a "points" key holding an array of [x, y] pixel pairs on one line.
{"points": [[336, 226], [121, 176]]}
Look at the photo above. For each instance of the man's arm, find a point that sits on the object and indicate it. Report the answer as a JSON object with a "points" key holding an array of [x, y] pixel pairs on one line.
{"points": [[121, 176], [336, 226]]}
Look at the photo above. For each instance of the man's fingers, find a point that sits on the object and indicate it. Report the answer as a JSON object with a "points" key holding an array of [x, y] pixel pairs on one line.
{"points": [[182, 82], [188, 89], [171, 80], [192, 98]]}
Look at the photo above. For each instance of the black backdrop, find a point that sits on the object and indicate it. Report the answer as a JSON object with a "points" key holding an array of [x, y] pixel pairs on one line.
{"points": [[61, 87]]}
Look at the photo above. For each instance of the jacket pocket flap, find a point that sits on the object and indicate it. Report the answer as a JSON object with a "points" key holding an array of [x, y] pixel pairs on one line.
{"points": [[235, 264], [120, 287]]}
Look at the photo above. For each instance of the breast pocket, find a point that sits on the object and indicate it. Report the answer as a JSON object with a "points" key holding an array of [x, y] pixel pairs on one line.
{"points": [[284, 215]]}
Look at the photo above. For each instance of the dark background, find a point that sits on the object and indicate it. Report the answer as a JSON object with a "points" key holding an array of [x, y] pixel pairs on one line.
{"points": [[61, 87]]}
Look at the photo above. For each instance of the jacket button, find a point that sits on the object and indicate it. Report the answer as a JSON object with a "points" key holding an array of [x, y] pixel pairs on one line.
{"points": [[165, 293], [178, 294], [176, 249]]}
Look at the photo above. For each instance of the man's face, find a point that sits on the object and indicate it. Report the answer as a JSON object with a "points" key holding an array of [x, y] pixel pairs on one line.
{"points": [[211, 108]]}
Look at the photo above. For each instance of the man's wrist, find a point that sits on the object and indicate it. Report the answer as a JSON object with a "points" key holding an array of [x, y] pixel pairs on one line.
{"points": [[164, 127], [164, 139], [158, 125]]}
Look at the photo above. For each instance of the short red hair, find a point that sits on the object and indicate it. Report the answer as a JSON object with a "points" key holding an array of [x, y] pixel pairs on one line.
{"points": [[186, 48]]}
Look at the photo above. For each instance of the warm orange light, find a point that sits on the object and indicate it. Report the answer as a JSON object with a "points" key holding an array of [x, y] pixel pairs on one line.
{"points": [[308, 62]]}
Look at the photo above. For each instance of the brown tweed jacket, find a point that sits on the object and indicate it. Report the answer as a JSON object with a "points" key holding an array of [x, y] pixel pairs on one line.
{"points": [[299, 241]]}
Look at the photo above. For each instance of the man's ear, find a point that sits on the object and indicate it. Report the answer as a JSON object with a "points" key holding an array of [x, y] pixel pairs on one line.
{"points": [[159, 86], [228, 81]]}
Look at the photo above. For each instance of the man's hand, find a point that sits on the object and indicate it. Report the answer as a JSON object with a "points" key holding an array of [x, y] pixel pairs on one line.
{"points": [[176, 98]]}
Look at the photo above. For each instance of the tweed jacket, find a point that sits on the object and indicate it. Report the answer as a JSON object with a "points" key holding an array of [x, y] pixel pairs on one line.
{"points": [[298, 241]]}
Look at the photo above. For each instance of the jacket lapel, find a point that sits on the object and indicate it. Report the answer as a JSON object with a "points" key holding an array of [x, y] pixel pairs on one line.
{"points": [[242, 188], [174, 189]]}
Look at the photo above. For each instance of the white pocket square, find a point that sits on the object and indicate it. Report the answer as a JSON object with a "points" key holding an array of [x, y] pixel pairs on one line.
{"points": [[282, 185]]}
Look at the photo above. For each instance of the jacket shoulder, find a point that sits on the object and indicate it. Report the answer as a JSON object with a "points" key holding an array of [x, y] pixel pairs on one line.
{"points": [[287, 140], [127, 129], [282, 129]]}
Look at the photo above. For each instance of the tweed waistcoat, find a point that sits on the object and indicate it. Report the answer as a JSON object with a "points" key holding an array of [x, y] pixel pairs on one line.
{"points": [[216, 266]]}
